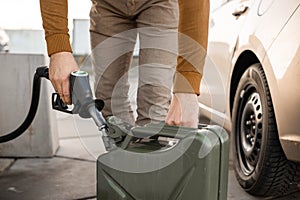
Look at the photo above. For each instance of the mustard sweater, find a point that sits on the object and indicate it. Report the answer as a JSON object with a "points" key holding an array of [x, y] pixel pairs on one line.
{"points": [[193, 22]]}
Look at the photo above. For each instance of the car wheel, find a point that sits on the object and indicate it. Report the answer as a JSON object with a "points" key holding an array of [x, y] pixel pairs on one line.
{"points": [[260, 165]]}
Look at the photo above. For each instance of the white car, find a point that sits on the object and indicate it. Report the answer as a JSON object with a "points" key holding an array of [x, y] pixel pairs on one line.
{"points": [[251, 85]]}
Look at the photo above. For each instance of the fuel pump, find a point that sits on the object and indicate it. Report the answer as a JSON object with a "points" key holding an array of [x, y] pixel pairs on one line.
{"points": [[82, 100]]}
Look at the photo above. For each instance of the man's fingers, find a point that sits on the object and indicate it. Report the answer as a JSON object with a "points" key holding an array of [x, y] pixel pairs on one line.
{"points": [[177, 117], [174, 116], [53, 81], [66, 91], [173, 122], [183, 110], [61, 86], [67, 99]]}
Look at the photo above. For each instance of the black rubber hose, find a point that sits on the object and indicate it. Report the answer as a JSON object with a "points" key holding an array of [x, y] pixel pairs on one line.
{"points": [[39, 73]]}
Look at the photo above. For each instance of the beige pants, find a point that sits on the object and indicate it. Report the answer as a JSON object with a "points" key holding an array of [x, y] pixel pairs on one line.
{"points": [[115, 25]]}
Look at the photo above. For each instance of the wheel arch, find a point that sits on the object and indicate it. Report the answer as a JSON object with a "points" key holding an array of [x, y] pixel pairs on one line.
{"points": [[244, 61]]}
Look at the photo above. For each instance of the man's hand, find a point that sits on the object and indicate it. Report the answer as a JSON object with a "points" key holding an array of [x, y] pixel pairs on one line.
{"points": [[60, 67], [184, 110]]}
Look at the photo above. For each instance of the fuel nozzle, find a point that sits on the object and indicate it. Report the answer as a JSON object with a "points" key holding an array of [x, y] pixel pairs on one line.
{"points": [[81, 94], [85, 105]]}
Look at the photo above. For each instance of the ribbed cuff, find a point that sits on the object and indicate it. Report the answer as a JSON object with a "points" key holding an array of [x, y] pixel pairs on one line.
{"points": [[187, 82], [58, 43]]}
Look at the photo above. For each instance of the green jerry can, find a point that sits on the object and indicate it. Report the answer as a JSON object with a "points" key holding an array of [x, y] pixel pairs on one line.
{"points": [[180, 163]]}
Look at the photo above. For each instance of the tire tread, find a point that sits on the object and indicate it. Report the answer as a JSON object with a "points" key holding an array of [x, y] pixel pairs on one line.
{"points": [[278, 175]]}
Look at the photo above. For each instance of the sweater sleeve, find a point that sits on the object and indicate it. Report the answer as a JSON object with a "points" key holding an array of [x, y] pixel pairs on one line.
{"points": [[55, 23], [192, 45]]}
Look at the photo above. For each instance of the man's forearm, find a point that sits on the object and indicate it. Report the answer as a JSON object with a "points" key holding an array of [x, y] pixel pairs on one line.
{"points": [[55, 23], [192, 44]]}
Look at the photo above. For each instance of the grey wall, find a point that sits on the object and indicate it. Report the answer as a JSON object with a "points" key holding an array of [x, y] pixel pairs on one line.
{"points": [[41, 139], [27, 41]]}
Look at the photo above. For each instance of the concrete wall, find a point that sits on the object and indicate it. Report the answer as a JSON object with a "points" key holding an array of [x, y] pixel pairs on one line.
{"points": [[41, 139], [27, 41]]}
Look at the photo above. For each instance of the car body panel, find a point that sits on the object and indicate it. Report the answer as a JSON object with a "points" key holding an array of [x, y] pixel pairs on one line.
{"points": [[284, 57], [220, 51], [269, 29]]}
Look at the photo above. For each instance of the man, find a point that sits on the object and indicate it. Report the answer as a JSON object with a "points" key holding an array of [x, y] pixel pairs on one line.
{"points": [[193, 25]]}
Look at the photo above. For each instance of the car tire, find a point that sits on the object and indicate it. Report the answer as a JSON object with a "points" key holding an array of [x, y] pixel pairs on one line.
{"points": [[260, 164]]}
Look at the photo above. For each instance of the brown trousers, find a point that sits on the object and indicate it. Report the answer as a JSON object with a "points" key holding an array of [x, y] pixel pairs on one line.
{"points": [[114, 27]]}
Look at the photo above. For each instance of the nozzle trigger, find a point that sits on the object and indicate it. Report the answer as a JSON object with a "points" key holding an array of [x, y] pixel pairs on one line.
{"points": [[58, 104]]}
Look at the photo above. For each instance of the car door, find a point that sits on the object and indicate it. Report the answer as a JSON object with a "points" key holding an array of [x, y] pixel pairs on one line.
{"points": [[226, 20]]}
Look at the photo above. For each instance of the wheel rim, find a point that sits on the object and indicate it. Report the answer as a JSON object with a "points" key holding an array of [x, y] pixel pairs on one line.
{"points": [[249, 133]]}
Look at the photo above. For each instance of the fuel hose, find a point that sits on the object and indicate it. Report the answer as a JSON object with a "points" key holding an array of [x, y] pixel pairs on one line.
{"points": [[41, 72]]}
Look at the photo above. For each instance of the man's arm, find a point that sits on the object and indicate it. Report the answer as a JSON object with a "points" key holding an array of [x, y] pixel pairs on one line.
{"points": [[192, 45], [55, 23], [62, 63]]}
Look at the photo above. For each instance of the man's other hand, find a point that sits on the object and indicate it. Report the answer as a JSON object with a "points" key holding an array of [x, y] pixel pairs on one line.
{"points": [[184, 110]]}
